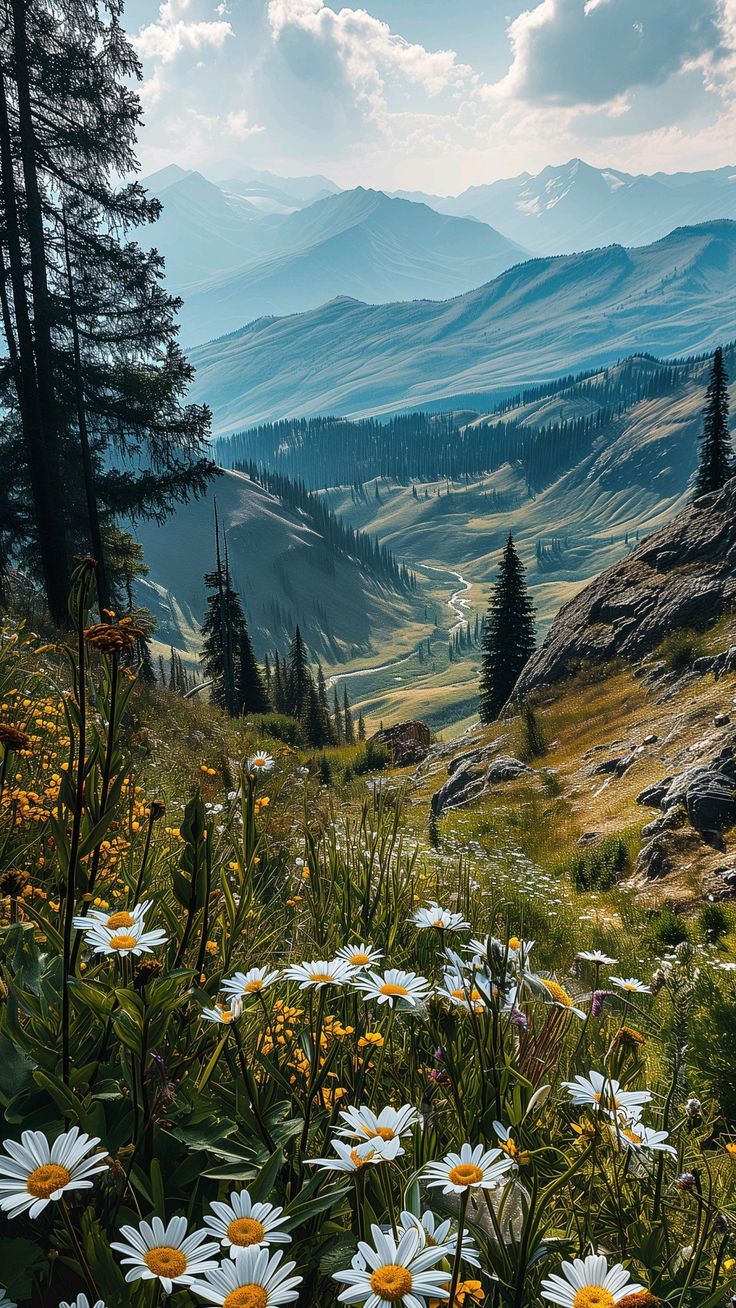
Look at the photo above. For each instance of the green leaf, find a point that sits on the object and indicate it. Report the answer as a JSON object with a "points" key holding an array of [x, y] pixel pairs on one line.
{"points": [[19, 1260], [16, 1071]]}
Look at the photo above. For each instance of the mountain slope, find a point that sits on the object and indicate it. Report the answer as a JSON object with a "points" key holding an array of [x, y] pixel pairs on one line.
{"points": [[536, 321], [574, 206], [283, 570], [358, 243]]}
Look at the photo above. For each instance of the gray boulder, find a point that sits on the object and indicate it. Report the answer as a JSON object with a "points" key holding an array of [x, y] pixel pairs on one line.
{"points": [[505, 768], [464, 784]]}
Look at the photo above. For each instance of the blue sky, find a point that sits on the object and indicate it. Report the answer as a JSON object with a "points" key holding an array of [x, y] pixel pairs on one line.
{"points": [[435, 94]]}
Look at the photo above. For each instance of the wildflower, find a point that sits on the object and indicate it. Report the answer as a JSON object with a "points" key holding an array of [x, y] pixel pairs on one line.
{"points": [[147, 971], [371, 1040], [589, 1283], [641, 1299], [36, 1173], [638, 1137], [254, 1279], [112, 637], [393, 986], [436, 1232], [596, 1006], [260, 762], [596, 956], [319, 974], [461, 994], [604, 1092], [391, 1274], [731, 1150], [13, 739], [686, 1181], [350, 1158], [81, 1301], [250, 982], [242, 1224], [359, 956], [509, 1145], [165, 1253], [693, 1110], [628, 1037], [559, 996], [13, 883], [470, 1169], [128, 940], [441, 918], [389, 1124], [632, 984], [121, 919], [224, 1015], [5, 1302]]}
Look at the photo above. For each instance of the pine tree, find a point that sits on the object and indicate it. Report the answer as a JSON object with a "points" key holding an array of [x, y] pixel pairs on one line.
{"points": [[361, 726], [716, 455], [347, 718], [315, 728], [279, 690], [94, 425], [509, 636], [222, 629], [324, 707], [251, 691], [297, 677], [267, 675], [337, 719]]}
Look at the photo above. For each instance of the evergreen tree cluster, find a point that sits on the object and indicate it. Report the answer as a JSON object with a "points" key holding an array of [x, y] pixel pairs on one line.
{"points": [[509, 637], [93, 423], [337, 534], [227, 655]]}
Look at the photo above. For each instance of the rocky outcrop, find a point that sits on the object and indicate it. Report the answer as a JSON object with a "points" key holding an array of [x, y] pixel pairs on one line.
{"points": [[469, 781], [683, 575], [707, 793], [408, 742]]}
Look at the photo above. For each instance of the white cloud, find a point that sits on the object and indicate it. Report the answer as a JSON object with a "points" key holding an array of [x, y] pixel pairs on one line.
{"points": [[165, 39], [240, 126]]}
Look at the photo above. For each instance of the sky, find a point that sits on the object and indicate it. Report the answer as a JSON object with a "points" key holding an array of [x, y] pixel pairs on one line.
{"points": [[435, 95]]}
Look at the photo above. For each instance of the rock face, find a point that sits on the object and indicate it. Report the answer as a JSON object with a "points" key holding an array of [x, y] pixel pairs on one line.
{"points": [[683, 575], [408, 742], [707, 794], [468, 781]]}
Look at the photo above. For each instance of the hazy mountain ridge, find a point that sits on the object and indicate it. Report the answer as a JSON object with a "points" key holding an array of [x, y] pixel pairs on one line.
{"points": [[536, 321]]}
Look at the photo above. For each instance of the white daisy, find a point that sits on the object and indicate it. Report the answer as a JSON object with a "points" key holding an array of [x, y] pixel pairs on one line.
{"points": [[435, 1232], [637, 1137], [589, 1283], [442, 918], [154, 1251], [461, 992], [128, 940], [222, 1014], [403, 1275], [333, 972], [260, 762], [360, 955], [632, 984], [470, 1169], [351, 1157], [120, 919], [605, 1093], [81, 1301], [37, 1173], [596, 956], [251, 982], [394, 986], [254, 1279], [241, 1224], [390, 1123]]}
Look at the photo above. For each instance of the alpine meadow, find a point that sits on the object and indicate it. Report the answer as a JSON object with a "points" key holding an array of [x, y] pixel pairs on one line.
{"points": [[367, 654]]}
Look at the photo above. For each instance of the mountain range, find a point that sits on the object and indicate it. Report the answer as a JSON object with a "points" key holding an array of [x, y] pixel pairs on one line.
{"points": [[536, 321], [577, 207]]}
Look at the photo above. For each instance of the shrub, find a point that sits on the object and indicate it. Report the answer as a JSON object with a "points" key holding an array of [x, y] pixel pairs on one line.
{"points": [[666, 928], [602, 866], [712, 1046], [713, 922], [681, 648], [373, 756], [280, 727], [325, 770], [533, 739]]}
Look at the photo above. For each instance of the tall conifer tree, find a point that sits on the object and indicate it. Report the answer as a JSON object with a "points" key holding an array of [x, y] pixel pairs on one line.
{"points": [[716, 454], [509, 636]]}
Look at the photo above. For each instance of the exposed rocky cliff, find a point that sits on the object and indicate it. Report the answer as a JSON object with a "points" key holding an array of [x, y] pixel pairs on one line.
{"points": [[683, 575]]}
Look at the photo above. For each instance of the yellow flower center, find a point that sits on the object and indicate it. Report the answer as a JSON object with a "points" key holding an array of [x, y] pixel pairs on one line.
{"points": [[166, 1261], [246, 1296], [465, 1174], [358, 960], [632, 1136], [475, 995], [320, 976], [245, 1231], [392, 1282], [361, 1160], [250, 986], [123, 942], [731, 1149], [606, 1100], [559, 995], [390, 988], [122, 919], [514, 943], [259, 762], [44, 1181], [383, 1132], [593, 1296], [438, 922]]}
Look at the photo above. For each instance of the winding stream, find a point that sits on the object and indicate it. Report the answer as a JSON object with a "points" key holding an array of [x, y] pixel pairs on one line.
{"points": [[459, 602]]}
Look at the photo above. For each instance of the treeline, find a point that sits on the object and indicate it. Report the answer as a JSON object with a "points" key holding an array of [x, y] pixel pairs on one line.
{"points": [[322, 452], [337, 534]]}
